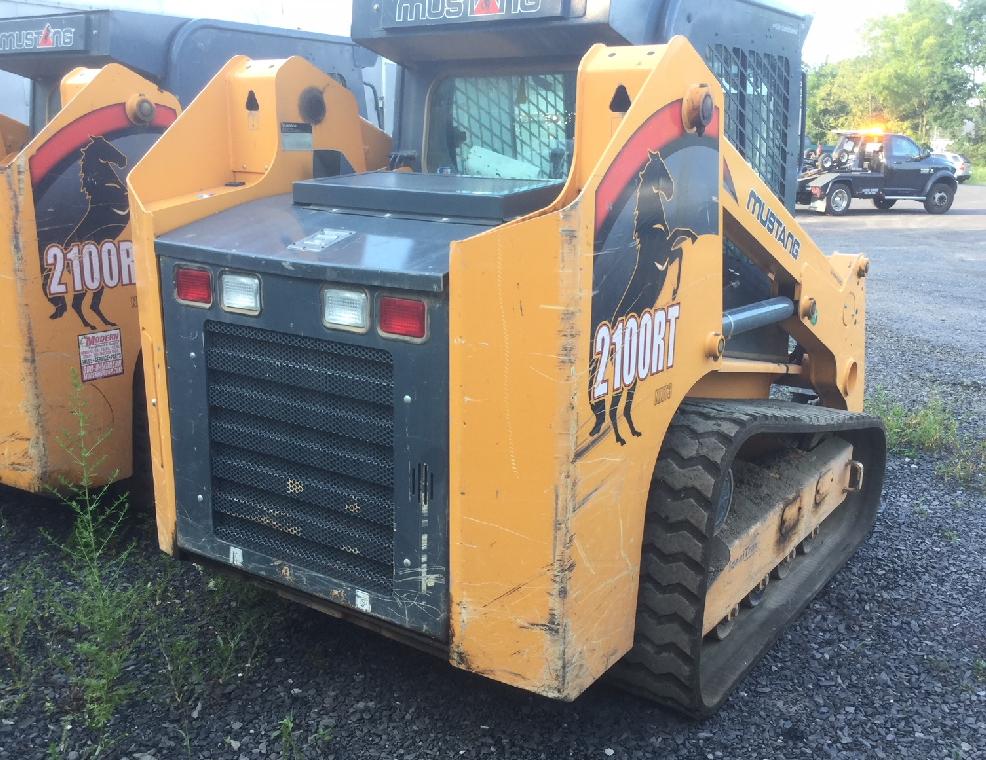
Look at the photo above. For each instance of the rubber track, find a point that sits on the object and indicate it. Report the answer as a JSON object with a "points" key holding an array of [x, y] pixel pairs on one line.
{"points": [[700, 444]]}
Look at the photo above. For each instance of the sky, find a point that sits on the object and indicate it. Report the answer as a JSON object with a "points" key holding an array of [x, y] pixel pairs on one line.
{"points": [[837, 31]]}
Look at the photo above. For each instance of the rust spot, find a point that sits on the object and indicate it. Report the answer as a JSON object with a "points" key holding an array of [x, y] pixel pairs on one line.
{"points": [[790, 519], [458, 657], [823, 487]]}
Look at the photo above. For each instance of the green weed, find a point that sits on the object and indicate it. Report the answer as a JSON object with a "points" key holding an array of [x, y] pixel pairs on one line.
{"points": [[182, 667], [979, 670], [241, 619], [289, 745], [20, 612], [929, 427], [967, 465], [321, 737], [101, 613]]}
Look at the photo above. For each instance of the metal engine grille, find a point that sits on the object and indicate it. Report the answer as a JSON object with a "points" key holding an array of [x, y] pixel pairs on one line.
{"points": [[301, 451], [758, 99]]}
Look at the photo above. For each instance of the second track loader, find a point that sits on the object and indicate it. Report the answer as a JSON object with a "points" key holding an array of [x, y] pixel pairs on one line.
{"points": [[104, 86]]}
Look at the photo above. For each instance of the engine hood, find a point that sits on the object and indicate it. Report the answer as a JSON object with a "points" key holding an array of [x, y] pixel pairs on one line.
{"points": [[277, 236]]}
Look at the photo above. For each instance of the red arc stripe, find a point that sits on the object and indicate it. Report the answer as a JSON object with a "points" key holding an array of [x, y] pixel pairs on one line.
{"points": [[661, 129], [103, 121]]}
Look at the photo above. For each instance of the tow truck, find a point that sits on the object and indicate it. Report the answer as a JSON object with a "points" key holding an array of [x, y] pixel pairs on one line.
{"points": [[884, 167]]}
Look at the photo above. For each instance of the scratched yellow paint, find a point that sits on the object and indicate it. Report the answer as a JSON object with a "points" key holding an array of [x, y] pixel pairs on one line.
{"points": [[184, 177], [546, 524], [39, 352]]}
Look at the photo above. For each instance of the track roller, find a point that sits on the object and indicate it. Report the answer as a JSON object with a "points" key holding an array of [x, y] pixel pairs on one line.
{"points": [[725, 626], [701, 617], [781, 571], [807, 545], [756, 596]]}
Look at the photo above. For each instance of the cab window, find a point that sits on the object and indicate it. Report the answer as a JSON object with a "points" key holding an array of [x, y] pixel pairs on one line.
{"points": [[519, 127], [902, 147]]}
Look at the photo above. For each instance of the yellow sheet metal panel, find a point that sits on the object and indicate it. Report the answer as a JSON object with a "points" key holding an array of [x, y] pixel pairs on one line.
{"points": [[548, 480], [71, 267], [512, 379], [228, 136], [20, 457]]}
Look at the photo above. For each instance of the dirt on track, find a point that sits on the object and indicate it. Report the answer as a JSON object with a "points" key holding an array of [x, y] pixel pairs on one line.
{"points": [[888, 662]]}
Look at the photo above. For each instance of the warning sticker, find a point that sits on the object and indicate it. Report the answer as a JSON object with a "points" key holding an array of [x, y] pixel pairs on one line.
{"points": [[296, 135], [100, 355]]}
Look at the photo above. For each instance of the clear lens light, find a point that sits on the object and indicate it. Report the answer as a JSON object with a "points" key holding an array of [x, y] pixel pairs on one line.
{"points": [[346, 309], [241, 292]]}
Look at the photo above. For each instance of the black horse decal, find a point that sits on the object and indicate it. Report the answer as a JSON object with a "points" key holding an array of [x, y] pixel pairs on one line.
{"points": [[658, 247], [106, 217]]}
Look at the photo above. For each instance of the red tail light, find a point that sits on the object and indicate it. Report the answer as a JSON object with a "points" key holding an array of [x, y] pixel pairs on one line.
{"points": [[193, 285], [406, 317]]}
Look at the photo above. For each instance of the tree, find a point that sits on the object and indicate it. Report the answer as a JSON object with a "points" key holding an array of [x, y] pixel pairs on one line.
{"points": [[972, 20], [916, 70]]}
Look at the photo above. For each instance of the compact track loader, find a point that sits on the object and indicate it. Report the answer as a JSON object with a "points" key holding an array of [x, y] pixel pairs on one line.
{"points": [[488, 396], [105, 85]]}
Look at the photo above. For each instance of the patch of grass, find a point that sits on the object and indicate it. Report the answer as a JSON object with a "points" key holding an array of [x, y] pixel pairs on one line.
{"points": [[978, 175], [929, 427], [241, 619], [950, 535], [979, 670], [932, 429], [100, 613], [968, 464], [321, 737], [182, 668], [20, 612]]}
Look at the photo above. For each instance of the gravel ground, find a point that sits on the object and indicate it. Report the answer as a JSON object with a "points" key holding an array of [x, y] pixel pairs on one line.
{"points": [[882, 665]]}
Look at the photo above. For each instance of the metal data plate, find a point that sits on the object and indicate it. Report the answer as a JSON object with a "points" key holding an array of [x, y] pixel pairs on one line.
{"points": [[320, 240]]}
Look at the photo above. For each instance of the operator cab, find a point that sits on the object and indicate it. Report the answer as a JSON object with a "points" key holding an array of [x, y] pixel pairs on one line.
{"points": [[486, 88], [178, 54]]}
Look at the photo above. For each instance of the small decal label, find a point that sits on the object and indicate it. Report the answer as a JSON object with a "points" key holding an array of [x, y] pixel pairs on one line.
{"points": [[296, 136], [236, 556], [362, 601], [100, 355]]}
